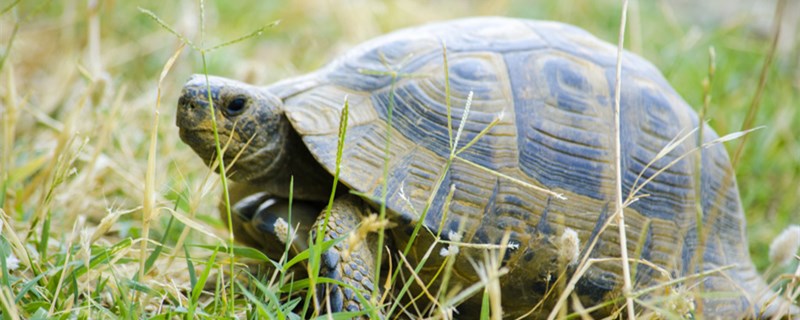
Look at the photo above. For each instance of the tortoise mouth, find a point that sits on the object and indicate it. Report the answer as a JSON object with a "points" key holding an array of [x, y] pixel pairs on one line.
{"points": [[203, 135], [202, 142], [200, 137], [239, 158]]}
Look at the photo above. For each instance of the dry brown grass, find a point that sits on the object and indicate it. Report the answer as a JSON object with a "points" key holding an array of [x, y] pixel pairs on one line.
{"points": [[92, 169]]}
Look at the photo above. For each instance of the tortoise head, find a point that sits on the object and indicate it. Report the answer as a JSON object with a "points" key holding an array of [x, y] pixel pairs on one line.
{"points": [[249, 121]]}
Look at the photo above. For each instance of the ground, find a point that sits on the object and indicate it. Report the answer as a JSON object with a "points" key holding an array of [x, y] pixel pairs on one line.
{"points": [[91, 159]]}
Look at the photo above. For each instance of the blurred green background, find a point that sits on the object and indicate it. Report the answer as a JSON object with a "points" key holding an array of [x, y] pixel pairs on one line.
{"points": [[102, 88]]}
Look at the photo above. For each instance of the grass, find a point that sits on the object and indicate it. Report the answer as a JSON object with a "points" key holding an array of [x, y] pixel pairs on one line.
{"points": [[93, 173]]}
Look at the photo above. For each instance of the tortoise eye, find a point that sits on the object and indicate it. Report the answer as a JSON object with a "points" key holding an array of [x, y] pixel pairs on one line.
{"points": [[236, 106]]}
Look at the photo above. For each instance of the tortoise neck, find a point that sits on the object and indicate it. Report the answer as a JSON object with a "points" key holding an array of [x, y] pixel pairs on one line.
{"points": [[311, 181]]}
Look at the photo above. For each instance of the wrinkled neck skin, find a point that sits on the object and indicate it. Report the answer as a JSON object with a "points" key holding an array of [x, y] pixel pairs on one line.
{"points": [[311, 181]]}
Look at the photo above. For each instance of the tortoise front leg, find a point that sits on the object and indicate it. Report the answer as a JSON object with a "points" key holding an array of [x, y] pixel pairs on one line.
{"points": [[352, 264], [262, 221]]}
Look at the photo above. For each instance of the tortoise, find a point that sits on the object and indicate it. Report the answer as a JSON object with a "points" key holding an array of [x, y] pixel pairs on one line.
{"points": [[493, 131]]}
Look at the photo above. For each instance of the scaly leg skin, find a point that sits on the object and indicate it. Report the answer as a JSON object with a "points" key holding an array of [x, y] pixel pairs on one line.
{"points": [[352, 266]]}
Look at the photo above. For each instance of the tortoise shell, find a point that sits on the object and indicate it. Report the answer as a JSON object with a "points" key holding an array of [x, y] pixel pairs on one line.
{"points": [[506, 137], [540, 114]]}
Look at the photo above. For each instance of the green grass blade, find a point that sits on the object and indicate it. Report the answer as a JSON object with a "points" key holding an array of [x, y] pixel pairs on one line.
{"points": [[245, 252], [5, 251], [255, 33], [447, 97], [485, 305], [167, 27], [198, 286], [306, 254], [190, 266], [101, 256], [316, 249], [261, 308], [160, 247], [45, 234]]}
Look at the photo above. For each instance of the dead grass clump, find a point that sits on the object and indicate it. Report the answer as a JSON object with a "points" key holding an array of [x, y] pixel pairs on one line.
{"points": [[105, 213]]}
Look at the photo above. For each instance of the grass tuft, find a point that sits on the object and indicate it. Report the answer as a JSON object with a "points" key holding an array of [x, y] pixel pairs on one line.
{"points": [[87, 165]]}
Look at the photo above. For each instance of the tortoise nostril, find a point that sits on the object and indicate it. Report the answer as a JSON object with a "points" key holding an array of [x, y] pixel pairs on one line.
{"points": [[185, 102]]}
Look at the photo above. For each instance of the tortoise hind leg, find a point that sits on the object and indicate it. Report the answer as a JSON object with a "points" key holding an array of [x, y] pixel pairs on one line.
{"points": [[352, 266]]}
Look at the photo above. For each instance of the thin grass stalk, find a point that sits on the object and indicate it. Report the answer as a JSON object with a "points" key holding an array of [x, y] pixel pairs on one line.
{"points": [[217, 144], [588, 262], [193, 203], [698, 181], [640, 247], [292, 234], [580, 309], [454, 151], [407, 284], [415, 275], [728, 137], [445, 168], [171, 30], [541, 302], [445, 268], [447, 95], [493, 274], [16, 245], [6, 297], [60, 170], [252, 34], [416, 231], [439, 181], [13, 36], [498, 174], [453, 155], [218, 147], [418, 227], [620, 215], [474, 288], [105, 132], [93, 37], [428, 203], [50, 172], [7, 301], [9, 115], [755, 104], [64, 274], [149, 210], [197, 288], [581, 266], [387, 284], [8, 7], [315, 257], [384, 189], [636, 27], [222, 174], [450, 261]]}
